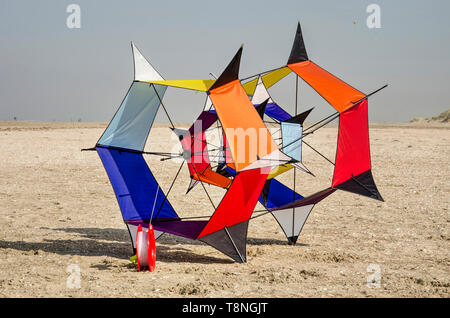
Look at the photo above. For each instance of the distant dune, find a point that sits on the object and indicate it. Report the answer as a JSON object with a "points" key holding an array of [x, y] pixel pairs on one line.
{"points": [[443, 117]]}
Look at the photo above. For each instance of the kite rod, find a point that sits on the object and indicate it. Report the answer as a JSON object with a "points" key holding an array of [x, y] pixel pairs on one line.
{"points": [[234, 245], [271, 122], [326, 123], [276, 131], [89, 149], [162, 104], [337, 113], [204, 188], [367, 96], [165, 197], [259, 74], [206, 151], [285, 160], [320, 121], [292, 142], [262, 212], [184, 218], [170, 158], [306, 134], [213, 158], [294, 193], [154, 203], [204, 141], [362, 185], [165, 154], [318, 153]]}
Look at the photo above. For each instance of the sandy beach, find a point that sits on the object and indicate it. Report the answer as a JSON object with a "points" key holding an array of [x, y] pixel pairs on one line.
{"points": [[57, 208]]}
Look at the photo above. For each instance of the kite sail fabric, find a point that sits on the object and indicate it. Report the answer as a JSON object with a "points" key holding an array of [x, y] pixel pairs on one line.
{"points": [[131, 124], [143, 70], [311, 199], [352, 170], [228, 158], [275, 76], [120, 149], [291, 128], [227, 228], [276, 171], [291, 214], [272, 109], [241, 122], [339, 94], [196, 85], [238, 203], [201, 85], [291, 135], [289, 208], [248, 158], [195, 150], [138, 194], [239, 118], [336, 92], [275, 195]]}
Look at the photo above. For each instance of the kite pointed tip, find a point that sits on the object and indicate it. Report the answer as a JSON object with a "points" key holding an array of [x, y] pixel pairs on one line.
{"points": [[309, 172], [298, 51], [231, 72], [143, 70], [378, 197], [300, 118], [292, 240]]}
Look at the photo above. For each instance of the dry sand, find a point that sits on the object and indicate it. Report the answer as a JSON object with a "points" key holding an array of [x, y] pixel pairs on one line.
{"points": [[57, 208]]}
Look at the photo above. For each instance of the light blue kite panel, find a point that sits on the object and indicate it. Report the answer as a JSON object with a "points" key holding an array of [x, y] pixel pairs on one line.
{"points": [[291, 134], [131, 124]]}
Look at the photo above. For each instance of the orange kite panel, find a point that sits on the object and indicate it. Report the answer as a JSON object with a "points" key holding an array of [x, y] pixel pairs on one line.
{"points": [[335, 91], [211, 177], [246, 133]]}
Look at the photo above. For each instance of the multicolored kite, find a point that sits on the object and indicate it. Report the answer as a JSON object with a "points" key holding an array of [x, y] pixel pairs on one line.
{"points": [[248, 161]]}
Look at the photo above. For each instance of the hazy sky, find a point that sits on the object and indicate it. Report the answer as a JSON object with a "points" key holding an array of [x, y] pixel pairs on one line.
{"points": [[50, 72]]}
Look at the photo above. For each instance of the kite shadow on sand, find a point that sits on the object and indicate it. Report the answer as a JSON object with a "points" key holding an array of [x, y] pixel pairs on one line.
{"points": [[94, 242]]}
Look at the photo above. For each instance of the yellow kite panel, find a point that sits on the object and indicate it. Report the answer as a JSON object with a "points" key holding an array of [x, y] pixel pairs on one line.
{"points": [[271, 78], [196, 85]]}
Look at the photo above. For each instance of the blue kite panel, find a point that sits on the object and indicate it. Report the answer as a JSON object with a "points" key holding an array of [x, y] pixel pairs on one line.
{"points": [[136, 189], [131, 124], [230, 171], [279, 195], [272, 110], [275, 111]]}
